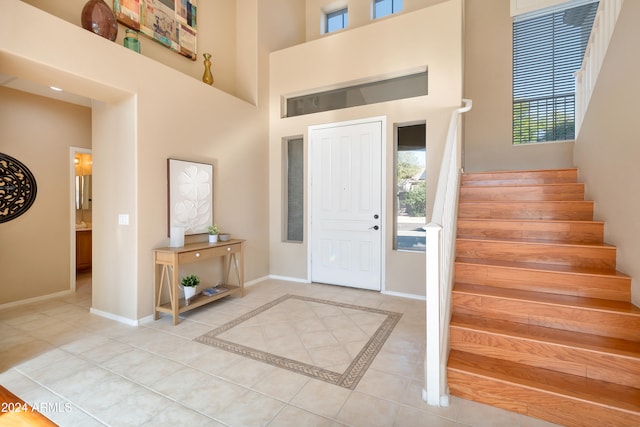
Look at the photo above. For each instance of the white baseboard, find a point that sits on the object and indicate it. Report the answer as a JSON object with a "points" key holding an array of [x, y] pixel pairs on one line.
{"points": [[111, 316], [288, 279], [36, 299], [403, 295], [255, 281]]}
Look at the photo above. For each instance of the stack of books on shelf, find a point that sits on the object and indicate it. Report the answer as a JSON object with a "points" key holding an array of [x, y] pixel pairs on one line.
{"points": [[212, 291]]}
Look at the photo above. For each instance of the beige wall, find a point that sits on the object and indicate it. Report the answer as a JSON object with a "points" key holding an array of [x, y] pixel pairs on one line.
{"points": [[35, 247], [608, 147], [488, 82], [139, 119], [216, 35], [382, 48], [360, 12]]}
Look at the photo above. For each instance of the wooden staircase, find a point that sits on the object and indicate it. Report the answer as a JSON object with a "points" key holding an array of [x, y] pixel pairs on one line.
{"points": [[542, 322]]}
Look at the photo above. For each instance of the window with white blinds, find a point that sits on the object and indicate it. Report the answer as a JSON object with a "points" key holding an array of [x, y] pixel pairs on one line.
{"points": [[547, 51]]}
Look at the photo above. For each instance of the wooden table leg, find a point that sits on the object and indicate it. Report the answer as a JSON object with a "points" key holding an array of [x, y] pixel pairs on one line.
{"points": [[175, 298]]}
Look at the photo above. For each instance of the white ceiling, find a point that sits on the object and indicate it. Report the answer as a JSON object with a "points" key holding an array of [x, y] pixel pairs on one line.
{"points": [[37, 89]]}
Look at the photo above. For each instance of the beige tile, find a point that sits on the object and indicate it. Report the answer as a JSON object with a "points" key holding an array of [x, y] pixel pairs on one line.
{"points": [[362, 410], [246, 372], [413, 397], [279, 329], [174, 414], [187, 328], [294, 417], [104, 352], [383, 385], [76, 383], [412, 417], [133, 410], [215, 361], [155, 374], [251, 410], [23, 352], [318, 339], [321, 398], [197, 390], [394, 363], [350, 334], [331, 355], [281, 384], [247, 335], [479, 415], [105, 395]]}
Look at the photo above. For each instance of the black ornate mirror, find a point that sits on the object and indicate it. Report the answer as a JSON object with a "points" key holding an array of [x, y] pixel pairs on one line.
{"points": [[17, 188]]}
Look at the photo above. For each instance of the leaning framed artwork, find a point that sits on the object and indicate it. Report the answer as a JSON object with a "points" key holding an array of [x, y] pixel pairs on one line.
{"points": [[190, 198], [170, 22]]}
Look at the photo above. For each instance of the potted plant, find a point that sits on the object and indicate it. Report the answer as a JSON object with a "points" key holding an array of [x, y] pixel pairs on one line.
{"points": [[213, 233], [189, 284]]}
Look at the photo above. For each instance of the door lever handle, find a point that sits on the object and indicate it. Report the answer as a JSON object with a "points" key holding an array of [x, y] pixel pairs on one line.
{"points": [[375, 227]]}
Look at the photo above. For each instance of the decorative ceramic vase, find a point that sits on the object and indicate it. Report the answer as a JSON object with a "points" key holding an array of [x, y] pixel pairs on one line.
{"points": [[98, 18], [207, 77], [213, 238], [131, 40], [189, 292]]}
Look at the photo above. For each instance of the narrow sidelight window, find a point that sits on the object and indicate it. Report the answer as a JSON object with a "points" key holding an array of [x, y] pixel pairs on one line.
{"points": [[411, 191], [293, 189]]}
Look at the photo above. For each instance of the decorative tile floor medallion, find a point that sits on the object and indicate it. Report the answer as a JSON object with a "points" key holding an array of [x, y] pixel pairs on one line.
{"points": [[326, 340]]}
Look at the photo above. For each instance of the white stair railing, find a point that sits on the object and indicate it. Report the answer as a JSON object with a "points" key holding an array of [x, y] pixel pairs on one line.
{"points": [[587, 76], [440, 253]]}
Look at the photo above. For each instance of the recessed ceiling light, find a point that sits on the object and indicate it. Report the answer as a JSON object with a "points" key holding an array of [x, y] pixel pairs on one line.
{"points": [[57, 89]]}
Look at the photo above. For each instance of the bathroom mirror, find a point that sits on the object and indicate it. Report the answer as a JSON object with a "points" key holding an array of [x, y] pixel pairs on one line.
{"points": [[83, 192], [83, 169]]}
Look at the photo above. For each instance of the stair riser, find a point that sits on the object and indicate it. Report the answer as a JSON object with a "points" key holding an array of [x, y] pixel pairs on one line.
{"points": [[571, 210], [615, 288], [548, 355], [521, 177], [577, 256], [595, 322], [536, 403], [585, 232], [530, 192]]}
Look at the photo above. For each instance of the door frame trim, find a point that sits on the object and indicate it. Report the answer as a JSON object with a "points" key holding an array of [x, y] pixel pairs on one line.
{"points": [[383, 186]]}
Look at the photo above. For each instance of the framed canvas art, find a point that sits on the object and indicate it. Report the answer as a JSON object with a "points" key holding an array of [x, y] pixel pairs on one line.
{"points": [[190, 199]]}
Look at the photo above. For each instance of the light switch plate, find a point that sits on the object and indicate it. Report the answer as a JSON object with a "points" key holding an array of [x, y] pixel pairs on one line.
{"points": [[123, 219]]}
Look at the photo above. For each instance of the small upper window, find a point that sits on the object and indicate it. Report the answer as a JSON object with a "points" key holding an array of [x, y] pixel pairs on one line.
{"points": [[336, 20], [386, 7]]}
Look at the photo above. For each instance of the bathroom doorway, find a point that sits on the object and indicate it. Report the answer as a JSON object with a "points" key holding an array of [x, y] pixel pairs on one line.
{"points": [[81, 219]]}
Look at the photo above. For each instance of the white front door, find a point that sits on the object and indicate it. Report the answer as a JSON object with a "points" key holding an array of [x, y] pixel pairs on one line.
{"points": [[346, 204]]}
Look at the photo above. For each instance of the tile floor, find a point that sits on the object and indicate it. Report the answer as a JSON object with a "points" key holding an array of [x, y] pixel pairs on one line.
{"points": [[80, 369]]}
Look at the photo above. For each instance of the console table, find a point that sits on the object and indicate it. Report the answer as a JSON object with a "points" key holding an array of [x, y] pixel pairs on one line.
{"points": [[166, 265]]}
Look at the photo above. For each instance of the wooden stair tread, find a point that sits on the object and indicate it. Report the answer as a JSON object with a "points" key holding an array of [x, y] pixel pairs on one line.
{"points": [[556, 268], [481, 184], [530, 202], [522, 240], [620, 307], [596, 343], [524, 176], [580, 388], [533, 221]]}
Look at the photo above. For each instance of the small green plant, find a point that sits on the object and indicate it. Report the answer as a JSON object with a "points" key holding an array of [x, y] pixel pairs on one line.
{"points": [[190, 281], [213, 229]]}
